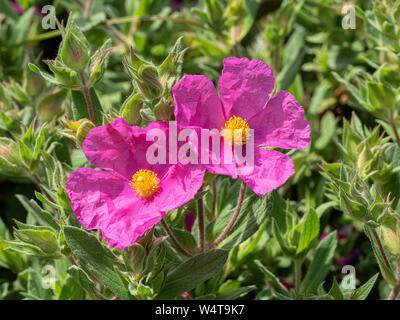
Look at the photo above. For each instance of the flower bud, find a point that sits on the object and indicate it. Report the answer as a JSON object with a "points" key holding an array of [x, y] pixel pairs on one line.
{"points": [[147, 82], [74, 51], [98, 63], [79, 129], [66, 77], [10, 161], [163, 110], [357, 210], [390, 233], [137, 256]]}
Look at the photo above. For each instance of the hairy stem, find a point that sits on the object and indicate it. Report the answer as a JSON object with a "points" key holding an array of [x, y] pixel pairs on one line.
{"points": [[395, 131], [383, 253], [87, 98], [174, 240], [200, 217], [233, 220], [214, 197]]}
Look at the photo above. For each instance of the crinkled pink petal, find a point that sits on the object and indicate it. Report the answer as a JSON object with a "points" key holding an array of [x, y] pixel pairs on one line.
{"points": [[216, 157], [124, 229], [178, 186], [271, 170], [101, 200], [245, 86], [281, 123], [197, 103], [96, 196], [112, 147]]}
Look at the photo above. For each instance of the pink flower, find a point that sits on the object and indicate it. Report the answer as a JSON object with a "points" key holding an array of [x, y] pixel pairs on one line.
{"points": [[132, 195], [17, 7], [189, 221], [245, 103]]}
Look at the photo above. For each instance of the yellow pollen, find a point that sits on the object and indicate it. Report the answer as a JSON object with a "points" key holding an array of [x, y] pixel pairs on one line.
{"points": [[240, 127], [145, 183]]}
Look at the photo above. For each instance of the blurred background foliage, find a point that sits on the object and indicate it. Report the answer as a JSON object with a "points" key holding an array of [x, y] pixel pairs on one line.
{"points": [[342, 201]]}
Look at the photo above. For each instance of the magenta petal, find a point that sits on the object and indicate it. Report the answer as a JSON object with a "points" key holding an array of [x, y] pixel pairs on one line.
{"points": [[111, 147], [178, 186], [271, 170], [281, 124], [197, 103], [96, 195], [245, 86], [124, 229], [101, 200]]}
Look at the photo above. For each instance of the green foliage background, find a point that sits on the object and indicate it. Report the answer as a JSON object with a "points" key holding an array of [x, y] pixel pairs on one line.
{"points": [[341, 207]]}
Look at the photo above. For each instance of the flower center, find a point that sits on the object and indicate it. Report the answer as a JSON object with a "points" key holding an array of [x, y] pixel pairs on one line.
{"points": [[145, 183], [236, 130]]}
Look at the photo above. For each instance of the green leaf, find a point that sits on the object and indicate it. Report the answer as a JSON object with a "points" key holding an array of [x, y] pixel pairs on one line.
{"points": [[294, 53], [35, 287], [192, 273], [42, 216], [309, 232], [254, 212], [363, 292], [335, 291], [97, 259], [234, 294], [278, 286], [82, 279], [320, 264]]}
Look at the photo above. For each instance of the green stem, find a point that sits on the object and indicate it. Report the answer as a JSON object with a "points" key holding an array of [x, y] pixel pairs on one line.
{"points": [[174, 240], [87, 98], [396, 289], [154, 18], [297, 275], [395, 131], [233, 220], [214, 197], [200, 220]]}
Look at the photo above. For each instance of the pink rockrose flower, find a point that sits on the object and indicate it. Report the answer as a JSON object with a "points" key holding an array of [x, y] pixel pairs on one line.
{"points": [[245, 104], [132, 195]]}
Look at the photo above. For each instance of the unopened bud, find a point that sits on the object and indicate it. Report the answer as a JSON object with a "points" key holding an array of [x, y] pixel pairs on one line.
{"points": [[147, 82], [163, 110], [74, 51], [10, 161], [80, 129]]}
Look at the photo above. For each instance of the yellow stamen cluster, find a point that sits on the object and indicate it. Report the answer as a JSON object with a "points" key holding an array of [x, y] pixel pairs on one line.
{"points": [[145, 183], [240, 127]]}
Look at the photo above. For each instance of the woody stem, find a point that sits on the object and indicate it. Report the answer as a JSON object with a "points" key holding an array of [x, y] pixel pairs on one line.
{"points": [[200, 217], [174, 240], [86, 93], [234, 218]]}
